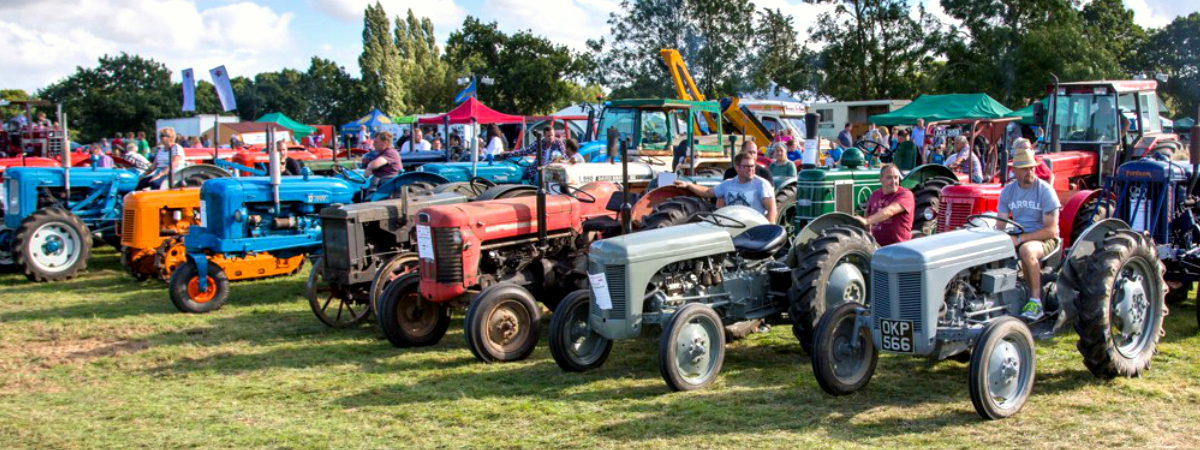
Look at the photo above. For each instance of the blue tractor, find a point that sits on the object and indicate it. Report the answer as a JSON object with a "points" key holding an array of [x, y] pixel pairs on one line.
{"points": [[52, 214], [507, 171]]}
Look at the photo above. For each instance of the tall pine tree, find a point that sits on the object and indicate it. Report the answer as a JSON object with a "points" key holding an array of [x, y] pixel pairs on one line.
{"points": [[382, 73]]}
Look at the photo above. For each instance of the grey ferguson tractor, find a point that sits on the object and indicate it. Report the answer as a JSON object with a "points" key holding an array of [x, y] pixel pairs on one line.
{"points": [[958, 294], [691, 280]]}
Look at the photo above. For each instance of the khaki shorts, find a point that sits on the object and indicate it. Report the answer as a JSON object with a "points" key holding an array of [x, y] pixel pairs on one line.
{"points": [[1048, 245]]}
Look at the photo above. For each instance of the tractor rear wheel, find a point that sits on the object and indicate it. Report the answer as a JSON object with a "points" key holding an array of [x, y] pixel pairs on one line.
{"points": [[927, 199], [395, 268], [840, 367], [675, 211], [1088, 214], [575, 346], [710, 171], [785, 207], [128, 264], [691, 348], [406, 319], [322, 296], [833, 271], [1002, 368], [1119, 297], [1179, 294], [503, 324], [185, 288], [52, 244]]}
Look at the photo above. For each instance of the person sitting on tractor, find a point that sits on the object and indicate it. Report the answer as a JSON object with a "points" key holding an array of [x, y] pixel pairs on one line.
{"points": [[1042, 171], [288, 166], [130, 154], [890, 209], [168, 156], [780, 166], [745, 190], [1033, 205], [383, 162], [417, 142], [99, 159], [751, 148], [572, 156], [963, 160]]}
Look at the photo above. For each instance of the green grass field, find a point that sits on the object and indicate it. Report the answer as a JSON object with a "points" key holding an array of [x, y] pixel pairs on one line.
{"points": [[103, 361]]}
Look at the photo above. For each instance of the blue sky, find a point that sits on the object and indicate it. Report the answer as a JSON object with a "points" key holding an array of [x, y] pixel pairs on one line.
{"points": [[48, 39]]}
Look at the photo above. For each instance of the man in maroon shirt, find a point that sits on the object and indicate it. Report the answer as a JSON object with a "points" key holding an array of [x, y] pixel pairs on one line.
{"points": [[890, 209]]}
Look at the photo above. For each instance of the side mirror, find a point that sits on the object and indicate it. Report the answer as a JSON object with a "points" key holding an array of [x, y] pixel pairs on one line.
{"points": [[1039, 113]]}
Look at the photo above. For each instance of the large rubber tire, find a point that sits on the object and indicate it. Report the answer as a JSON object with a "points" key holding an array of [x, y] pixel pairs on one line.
{"points": [[321, 294], [127, 264], [52, 226], [1127, 258], [710, 171], [399, 265], [675, 211], [573, 344], [503, 324], [406, 319], [185, 292], [691, 349], [1180, 294], [785, 207], [1089, 213], [998, 389], [927, 198], [840, 255], [839, 368]]}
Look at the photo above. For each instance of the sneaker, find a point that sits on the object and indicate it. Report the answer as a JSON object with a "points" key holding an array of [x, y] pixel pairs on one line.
{"points": [[1032, 311]]}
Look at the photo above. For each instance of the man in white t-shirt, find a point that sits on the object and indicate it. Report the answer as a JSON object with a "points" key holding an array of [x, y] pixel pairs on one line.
{"points": [[416, 143], [745, 189]]}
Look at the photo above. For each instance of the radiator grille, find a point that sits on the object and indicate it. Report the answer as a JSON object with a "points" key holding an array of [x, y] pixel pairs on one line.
{"points": [[953, 213], [127, 220], [910, 298], [447, 252], [617, 290], [881, 301], [337, 244]]}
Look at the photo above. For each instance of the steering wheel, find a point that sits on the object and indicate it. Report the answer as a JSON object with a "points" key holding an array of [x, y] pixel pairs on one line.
{"points": [[876, 152], [477, 181], [349, 175], [651, 160], [1020, 229], [519, 161], [716, 219], [574, 193]]}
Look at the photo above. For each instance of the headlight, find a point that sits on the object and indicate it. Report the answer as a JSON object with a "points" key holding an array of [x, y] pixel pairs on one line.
{"points": [[930, 214]]}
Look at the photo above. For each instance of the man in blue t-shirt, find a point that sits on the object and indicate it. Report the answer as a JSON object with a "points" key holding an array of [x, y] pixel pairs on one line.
{"points": [[745, 189], [1031, 203]]}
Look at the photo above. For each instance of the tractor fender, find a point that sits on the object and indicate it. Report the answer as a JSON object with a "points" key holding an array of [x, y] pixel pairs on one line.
{"points": [[1084, 248], [790, 181], [1066, 221], [385, 190], [507, 191], [199, 171], [652, 198], [827, 220], [923, 173]]}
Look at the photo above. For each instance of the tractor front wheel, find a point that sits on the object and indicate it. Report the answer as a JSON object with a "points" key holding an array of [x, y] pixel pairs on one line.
{"points": [[832, 271], [840, 365], [691, 348], [185, 288], [398, 266], [324, 297], [575, 346], [52, 244], [407, 320], [927, 198], [502, 324], [1002, 368]]}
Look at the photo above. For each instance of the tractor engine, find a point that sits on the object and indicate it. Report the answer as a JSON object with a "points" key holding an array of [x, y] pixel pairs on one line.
{"points": [[1154, 199], [946, 283], [150, 217]]}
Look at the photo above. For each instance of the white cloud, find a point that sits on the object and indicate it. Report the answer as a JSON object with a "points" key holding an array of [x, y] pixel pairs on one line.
{"points": [[569, 22], [446, 15], [46, 40]]}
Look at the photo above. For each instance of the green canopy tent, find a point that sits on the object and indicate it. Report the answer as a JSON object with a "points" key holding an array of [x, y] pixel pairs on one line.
{"points": [[1025, 114], [935, 108], [298, 129]]}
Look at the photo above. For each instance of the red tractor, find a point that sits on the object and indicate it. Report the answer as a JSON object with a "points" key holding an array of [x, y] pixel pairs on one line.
{"points": [[1090, 123]]}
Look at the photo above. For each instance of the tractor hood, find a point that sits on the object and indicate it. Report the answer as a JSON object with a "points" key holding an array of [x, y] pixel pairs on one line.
{"points": [[502, 218], [393, 209], [961, 248], [1154, 171], [499, 172], [677, 242], [174, 198], [581, 174]]}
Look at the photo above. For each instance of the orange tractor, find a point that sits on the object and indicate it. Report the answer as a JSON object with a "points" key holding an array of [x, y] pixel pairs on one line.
{"points": [[153, 224]]}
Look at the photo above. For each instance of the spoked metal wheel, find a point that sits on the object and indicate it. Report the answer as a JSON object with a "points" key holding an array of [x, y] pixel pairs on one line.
{"points": [[396, 267], [334, 304], [1002, 368], [842, 363], [575, 346], [691, 349]]}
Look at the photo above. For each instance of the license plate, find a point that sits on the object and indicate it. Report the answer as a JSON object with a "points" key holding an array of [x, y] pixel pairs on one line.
{"points": [[424, 242], [897, 335]]}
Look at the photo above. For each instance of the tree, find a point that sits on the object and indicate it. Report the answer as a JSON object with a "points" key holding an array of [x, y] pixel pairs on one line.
{"points": [[429, 80], [781, 59], [1175, 51], [124, 93], [874, 49], [532, 75], [1109, 25], [12, 94], [380, 63], [711, 35], [331, 95]]}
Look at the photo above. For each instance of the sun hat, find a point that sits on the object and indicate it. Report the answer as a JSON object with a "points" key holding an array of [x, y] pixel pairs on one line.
{"points": [[1023, 158]]}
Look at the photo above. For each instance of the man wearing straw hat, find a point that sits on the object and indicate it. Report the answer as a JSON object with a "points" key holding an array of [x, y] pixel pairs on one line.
{"points": [[1031, 203]]}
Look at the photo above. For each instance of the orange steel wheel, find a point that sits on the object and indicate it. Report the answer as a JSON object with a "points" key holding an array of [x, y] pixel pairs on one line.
{"points": [[194, 290]]}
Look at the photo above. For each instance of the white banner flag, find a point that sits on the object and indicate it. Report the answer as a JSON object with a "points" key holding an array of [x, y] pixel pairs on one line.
{"points": [[189, 90], [224, 89]]}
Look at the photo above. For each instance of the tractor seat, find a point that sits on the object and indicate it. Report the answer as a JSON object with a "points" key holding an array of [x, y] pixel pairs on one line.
{"points": [[760, 242], [609, 226]]}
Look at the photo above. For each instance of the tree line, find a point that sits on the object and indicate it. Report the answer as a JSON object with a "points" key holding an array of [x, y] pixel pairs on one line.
{"points": [[860, 49]]}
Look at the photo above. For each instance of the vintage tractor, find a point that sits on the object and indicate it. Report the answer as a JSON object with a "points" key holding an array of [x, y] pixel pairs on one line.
{"points": [[691, 280], [243, 217], [959, 294], [52, 215], [657, 126], [367, 245]]}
